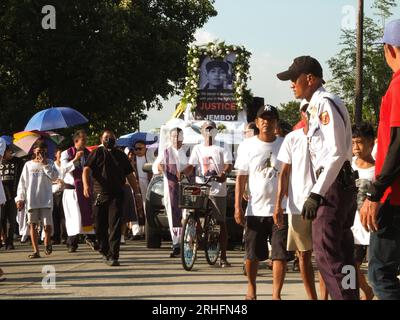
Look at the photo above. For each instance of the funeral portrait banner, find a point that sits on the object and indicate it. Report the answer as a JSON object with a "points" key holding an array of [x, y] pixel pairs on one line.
{"points": [[215, 99]]}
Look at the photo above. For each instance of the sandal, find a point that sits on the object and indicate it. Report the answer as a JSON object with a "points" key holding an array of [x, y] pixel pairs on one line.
{"points": [[250, 298], [34, 255], [49, 250]]}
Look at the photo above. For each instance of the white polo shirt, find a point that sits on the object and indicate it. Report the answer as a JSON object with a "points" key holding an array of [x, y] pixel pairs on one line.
{"points": [[294, 152]]}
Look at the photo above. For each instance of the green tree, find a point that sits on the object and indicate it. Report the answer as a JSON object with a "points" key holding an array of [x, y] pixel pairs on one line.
{"points": [[289, 112], [375, 71], [111, 59]]}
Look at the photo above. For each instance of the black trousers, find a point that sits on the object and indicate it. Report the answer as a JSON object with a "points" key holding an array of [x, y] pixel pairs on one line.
{"points": [[60, 231], [108, 215], [8, 221]]}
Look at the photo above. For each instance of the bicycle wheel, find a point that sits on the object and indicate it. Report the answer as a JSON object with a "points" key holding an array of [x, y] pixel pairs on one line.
{"points": [[212, 230], [189, 242]]}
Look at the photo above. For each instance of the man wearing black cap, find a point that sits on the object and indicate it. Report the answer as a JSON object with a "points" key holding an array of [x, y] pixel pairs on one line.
{"points": [[332, 201], [217, 72], [258, 165]]}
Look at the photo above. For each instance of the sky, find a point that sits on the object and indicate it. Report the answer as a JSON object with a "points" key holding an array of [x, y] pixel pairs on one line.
{"points": [[275, 32]]}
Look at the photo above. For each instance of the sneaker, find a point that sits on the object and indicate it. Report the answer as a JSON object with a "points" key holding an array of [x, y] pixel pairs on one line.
{"points": [[176, 252], [112, 263], [223, 263]]}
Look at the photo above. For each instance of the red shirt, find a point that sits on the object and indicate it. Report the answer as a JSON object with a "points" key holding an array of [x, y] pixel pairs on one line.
{"points": [[389, 117]]}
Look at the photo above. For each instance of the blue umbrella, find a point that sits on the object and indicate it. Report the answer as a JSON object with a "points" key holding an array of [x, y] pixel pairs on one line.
{"points": [[55, 118], [130, 139], [7, 139]]}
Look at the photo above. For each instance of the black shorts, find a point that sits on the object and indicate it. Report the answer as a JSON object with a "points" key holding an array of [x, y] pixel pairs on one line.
{"points": [[258, 231], [360, 252]]}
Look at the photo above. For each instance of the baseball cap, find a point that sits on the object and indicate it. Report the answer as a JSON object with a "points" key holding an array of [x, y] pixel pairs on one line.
{"points": [[268, 110], [208, 124], [217, 63], [391, 35], [303, 64]]}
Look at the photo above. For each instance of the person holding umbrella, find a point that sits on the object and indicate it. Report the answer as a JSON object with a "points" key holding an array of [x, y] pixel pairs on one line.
{"points": [[35, 193]]}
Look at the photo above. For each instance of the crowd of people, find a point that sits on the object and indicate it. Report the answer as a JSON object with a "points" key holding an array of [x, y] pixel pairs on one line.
{"points": [[319, 190]]}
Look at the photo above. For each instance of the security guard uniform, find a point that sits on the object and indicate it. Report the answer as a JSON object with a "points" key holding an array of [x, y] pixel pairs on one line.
{"points": [[330, 151]]}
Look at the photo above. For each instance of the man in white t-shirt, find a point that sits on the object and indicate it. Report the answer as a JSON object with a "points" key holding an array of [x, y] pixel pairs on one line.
{"points": [[295, 181], [258, 165], [209, 160]]}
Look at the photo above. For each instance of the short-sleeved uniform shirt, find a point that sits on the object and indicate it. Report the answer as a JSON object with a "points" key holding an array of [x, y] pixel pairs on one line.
{"points": [[109, 170], [329, 136]]}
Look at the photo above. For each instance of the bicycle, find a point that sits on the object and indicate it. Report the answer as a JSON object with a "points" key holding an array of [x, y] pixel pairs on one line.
{"points": [[200, 228]]}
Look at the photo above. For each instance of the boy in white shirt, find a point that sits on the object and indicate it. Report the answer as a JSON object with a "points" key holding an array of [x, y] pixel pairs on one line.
{"points": [[35, 193], [364, 163]]}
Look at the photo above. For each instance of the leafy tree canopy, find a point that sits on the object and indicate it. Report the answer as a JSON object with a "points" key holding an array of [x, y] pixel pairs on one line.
{"points": [[110, 59]]}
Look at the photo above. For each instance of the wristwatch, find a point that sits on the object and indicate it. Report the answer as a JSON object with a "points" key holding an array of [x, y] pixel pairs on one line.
{"points": [[373, 195]]}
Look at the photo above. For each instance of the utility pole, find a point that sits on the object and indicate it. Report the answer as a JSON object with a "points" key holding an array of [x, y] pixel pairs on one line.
{"points": [[359, 64]]}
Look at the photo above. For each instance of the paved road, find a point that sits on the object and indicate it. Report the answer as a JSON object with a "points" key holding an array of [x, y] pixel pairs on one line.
{"points": [[143, 274]]}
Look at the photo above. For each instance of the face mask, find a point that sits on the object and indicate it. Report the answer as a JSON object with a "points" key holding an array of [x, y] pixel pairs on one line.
{"points": [[109, 142]]}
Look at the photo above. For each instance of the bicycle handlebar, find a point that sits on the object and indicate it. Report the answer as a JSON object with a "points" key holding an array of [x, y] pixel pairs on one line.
{"points": [[207, 179]]}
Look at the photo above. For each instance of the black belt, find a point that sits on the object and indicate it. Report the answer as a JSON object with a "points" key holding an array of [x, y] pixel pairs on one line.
{"points": [[69, 186]]}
